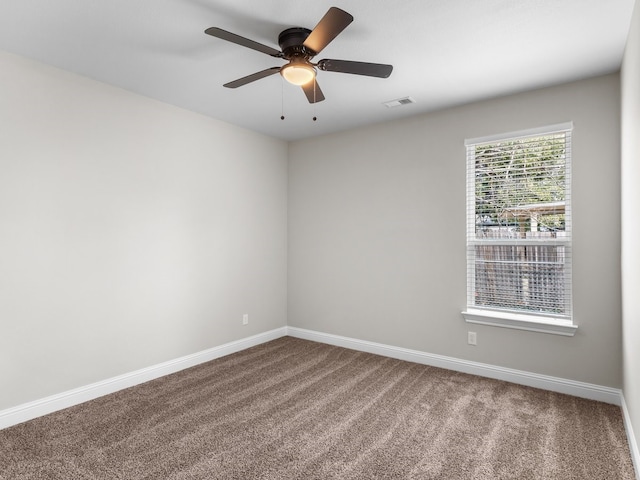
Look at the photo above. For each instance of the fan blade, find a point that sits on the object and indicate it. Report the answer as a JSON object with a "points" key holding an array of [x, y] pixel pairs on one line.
{"points": [[357, 68], [245, 42], [313, 92], [328, 28], [252, 78]]}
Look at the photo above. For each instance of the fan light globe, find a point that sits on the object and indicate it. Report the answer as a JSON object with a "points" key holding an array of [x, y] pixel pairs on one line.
{"points": [[298, 73]]}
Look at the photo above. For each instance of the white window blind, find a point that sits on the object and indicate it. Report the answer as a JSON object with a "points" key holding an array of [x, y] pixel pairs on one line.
{"points": [[519, 222]]}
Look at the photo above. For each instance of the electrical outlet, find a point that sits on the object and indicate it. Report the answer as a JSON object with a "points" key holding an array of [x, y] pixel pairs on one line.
{"points": [[245, 319], [472, 338]]}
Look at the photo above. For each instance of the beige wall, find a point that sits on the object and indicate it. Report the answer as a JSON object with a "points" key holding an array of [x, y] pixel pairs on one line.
{"points": [[131, 232], [630, 223], [377, 233]]}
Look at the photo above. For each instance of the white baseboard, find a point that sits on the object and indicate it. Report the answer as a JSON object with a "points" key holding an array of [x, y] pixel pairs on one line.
{"points": [[631, 438], [28, 411], [554, 384], [31, 410]]}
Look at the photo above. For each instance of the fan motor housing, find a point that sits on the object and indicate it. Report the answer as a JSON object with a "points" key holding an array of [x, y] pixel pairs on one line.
{"points": [[291, 42]]}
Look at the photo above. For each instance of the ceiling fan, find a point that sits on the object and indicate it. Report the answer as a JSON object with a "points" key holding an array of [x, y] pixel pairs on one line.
{"points": [[299, 45]]}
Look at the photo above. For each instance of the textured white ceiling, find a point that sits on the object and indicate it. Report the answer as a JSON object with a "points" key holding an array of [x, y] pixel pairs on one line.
{"points": [[444, 52]]}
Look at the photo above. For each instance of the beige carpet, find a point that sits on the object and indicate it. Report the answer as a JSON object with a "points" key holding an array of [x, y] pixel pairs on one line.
{"points": [[293, 409]]}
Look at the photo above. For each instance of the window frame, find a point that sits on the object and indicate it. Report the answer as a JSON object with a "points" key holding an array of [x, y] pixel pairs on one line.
{"points": [[521, 320]]}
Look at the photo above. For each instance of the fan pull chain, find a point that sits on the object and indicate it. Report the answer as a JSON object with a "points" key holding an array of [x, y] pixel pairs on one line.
{"points": [[282, 98], [315, 97], [315, 83]]}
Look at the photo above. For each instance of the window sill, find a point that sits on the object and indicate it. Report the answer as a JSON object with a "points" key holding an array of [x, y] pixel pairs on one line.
{"points": [[531, 323]]}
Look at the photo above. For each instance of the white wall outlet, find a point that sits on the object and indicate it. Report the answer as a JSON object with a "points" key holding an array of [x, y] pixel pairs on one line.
{"points": [[245, 319], [472, 338]]}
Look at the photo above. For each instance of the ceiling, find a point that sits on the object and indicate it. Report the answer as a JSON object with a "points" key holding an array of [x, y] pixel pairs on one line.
{"points": [[444, 52]]}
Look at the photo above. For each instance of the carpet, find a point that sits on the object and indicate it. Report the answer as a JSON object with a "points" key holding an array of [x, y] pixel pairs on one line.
{"points": [[295, 409]]}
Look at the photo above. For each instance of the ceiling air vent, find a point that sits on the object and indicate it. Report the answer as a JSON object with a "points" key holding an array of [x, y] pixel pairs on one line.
{"points": [[400, 101]]}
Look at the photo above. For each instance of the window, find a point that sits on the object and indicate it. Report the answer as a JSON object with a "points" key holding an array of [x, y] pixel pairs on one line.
{"points": [[519, 230]]}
